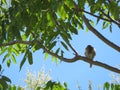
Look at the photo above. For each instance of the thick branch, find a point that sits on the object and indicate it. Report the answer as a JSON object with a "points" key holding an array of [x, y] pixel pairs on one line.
{"points": [[78, 57], [74, 59], [92, 29]]}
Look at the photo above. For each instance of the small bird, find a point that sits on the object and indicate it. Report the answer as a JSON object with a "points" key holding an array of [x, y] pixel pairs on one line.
{"points": [[90, 53]]}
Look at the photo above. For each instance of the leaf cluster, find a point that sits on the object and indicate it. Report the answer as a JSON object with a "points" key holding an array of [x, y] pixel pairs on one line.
{"points": [[3, 80], [111, 86]]}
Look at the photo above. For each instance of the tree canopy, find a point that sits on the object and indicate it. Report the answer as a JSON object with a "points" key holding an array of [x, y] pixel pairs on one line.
{"points": [[30, 25]]}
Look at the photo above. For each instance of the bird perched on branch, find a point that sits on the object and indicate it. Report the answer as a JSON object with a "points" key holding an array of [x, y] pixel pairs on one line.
{"points": [[90, 53]]}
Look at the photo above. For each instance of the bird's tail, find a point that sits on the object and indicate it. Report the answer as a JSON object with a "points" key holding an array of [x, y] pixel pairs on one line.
{"points": [[90, 65]]}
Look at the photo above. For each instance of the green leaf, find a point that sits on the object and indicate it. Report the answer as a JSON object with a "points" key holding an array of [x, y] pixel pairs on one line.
{"points": [[23, 61], [50, 19], [14, 87], [61, 12], [91, 22], [53, 58], [64, 45], [6, 79], [57, 51], [65, 84], [65, 38], [62, 53], [106, 86], [105, 25], [80, 25], [8, 62], [0, 67], [3, 50], [15, 51], [4, 58], [72, 29], [3, 84], [69, 3], [52, 45], [13, 59], [87, 29], [4, 2], [111, 28], [46, 56], [30, 58], [112, 86]]}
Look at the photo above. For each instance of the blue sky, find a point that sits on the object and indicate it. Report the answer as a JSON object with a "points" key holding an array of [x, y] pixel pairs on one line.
{"points": [[78, 72]]}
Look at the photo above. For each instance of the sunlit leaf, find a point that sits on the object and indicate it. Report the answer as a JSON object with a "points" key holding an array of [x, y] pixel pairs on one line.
{"points": [[65, 84], [87, 29], [61, 12], [15, 51], [105, 25], [8, 62], [69, 3], [14, 87], [2, 50], [4, 2], [13, 59], [91, 22], [46, 56], [50, 20]]}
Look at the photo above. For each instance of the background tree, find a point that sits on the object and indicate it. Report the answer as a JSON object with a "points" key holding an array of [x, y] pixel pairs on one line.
{"points": [[28, 26], [35, 80]]}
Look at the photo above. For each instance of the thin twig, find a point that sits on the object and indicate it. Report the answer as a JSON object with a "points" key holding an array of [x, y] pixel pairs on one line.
{"points": [[109, 19]]}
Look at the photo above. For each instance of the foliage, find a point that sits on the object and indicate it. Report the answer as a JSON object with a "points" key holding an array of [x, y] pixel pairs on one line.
{"points": [[14, 87], [50, 85], [40, 81], [55, 86], [111, 86], [115, 83], [3, 80]]}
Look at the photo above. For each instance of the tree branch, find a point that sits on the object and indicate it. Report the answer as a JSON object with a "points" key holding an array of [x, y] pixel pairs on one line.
{"points": [[78, 57], [16, 42], [92, 29], [72, 48], [74, 59], [109, 19]]}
